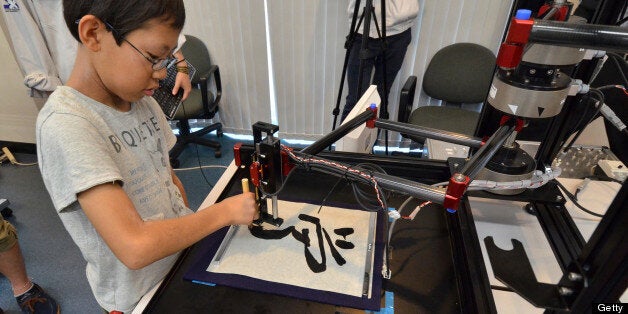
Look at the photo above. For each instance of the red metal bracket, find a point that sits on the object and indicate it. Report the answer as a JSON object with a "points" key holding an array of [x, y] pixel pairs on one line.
{"points": [[519, 123], [236, 154], [511, 51], [286, 163], [371, 122], [458, 184], [254, 170], [561, 15]]}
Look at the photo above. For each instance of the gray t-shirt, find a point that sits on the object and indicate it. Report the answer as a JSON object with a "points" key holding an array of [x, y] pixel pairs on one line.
{"points": [[82, 143]]}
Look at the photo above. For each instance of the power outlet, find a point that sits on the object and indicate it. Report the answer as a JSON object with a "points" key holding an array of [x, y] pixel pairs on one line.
{"points": [[614, 169]]}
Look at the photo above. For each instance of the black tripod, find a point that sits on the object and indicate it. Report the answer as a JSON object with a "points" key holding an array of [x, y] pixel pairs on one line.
{"points": [[365, 53]]}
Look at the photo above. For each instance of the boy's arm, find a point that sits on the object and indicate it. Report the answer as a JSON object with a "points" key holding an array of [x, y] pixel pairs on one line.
{"points": [[138, 243]]}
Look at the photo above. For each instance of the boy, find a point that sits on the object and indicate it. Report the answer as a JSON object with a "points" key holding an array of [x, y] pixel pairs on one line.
{"points": [[103, 146]]}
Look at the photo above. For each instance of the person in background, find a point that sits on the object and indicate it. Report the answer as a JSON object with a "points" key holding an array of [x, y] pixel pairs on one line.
{"points": [[183, 79], [30, 296], [102, 147], [400, 16]]}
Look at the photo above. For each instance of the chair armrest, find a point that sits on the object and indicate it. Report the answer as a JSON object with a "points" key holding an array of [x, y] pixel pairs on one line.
{"points": [[202, 81], [406, 98]]}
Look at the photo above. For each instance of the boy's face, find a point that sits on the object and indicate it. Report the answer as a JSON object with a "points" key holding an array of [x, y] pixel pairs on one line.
{"points": [[124, 71]]}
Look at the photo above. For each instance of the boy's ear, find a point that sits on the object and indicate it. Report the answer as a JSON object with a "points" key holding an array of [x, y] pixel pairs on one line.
{"points": [[91, 31]]}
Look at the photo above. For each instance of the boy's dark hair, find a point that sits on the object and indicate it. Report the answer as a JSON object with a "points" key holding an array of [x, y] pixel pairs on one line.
{"points": [[123, 15]]}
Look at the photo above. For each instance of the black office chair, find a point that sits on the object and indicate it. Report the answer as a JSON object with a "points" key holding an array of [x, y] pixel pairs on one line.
{"points": [[201, 103], [458, 74]]}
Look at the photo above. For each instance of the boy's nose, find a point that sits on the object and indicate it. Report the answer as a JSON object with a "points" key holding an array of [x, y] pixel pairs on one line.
{"points": [[160, 74]]}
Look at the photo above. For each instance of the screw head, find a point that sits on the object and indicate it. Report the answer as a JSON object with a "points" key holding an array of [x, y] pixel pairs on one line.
{"points": [[458, 177], [565, 291], [559, 198], [574, 276]]}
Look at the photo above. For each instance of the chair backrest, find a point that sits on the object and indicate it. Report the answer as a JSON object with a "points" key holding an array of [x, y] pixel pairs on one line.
{"points": [[460, 73], [196, 53]]}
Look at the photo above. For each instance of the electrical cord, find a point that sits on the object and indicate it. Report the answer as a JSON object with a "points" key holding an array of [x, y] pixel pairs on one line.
{"points": [[620, 69], [198, 156], [324, 201], [352, 174], [203, 167], [8, 155], [600, 103], [573, 199], [588, 179]]}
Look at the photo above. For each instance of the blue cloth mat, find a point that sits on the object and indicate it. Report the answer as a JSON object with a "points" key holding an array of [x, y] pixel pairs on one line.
{"points": [[207, 249]]}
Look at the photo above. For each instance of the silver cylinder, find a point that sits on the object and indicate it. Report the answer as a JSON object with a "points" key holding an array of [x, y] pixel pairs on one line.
{"points": [[527, 103], [553, 55]]}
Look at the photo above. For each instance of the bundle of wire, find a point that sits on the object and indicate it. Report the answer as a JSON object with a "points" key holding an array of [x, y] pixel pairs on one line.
{"points": [[362, 173]]}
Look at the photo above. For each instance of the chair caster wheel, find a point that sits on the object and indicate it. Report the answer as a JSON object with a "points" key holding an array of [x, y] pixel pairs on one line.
{"points": [[6, 213], [175, 163], [217, 154]]}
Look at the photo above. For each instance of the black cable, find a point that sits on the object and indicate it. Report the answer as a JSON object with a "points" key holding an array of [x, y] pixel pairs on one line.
{"points": [[266, 194], [360, 195], [198, 156], [620, 69], [575, 202], [328, 194], [595, 115], [585, 101]]}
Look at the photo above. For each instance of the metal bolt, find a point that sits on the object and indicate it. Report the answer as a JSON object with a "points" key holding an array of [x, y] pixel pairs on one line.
{"points": [[532, 71], [559, 198], [574, 276], [526, 81], [458, 177], [456, 165], [550, 72], [565, 291]]}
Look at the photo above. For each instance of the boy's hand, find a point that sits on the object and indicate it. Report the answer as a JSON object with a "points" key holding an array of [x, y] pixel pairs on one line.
{"points": [[241, 208]]}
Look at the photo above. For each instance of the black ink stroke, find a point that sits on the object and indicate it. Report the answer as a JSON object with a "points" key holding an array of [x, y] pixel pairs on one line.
{"points": [[304, 237]]}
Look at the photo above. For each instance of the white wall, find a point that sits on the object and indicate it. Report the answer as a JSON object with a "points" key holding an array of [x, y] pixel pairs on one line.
{"points": [[18, 111]]}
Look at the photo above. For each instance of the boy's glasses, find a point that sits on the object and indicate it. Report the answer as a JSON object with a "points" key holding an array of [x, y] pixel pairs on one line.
{"points": [[157, 64]]}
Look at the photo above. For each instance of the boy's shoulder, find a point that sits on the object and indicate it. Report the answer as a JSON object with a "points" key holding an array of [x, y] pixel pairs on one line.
{"points": [[65, 100], [66, 105]]}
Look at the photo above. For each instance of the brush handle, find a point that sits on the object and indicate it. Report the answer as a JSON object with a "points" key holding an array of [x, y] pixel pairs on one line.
{"points": [[245, 185], [245, 189]]}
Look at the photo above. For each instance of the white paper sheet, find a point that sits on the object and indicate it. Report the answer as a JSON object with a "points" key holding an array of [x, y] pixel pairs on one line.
{"points": [[284, 261]]}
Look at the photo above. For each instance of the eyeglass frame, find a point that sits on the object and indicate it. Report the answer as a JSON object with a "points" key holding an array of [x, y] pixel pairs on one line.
{"points": [[156, 64]]}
